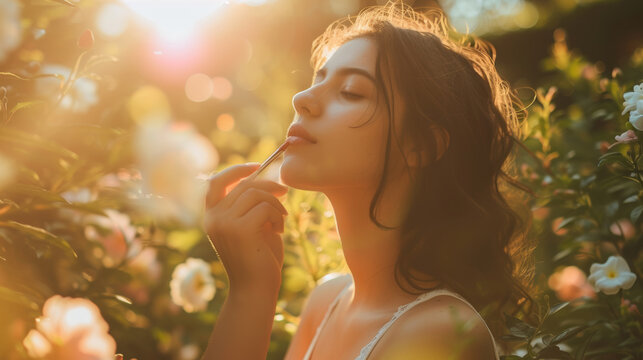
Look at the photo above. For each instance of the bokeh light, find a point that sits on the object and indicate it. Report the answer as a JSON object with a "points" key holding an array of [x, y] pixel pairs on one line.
{"points": [[482, 16], [225, 122], [527, 16], [149, 104], [222, 88], [199, 87]]}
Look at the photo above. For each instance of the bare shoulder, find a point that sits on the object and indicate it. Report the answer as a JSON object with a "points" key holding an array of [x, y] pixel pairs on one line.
{"points": [[443, 327], [313, 312], [322, 295]]}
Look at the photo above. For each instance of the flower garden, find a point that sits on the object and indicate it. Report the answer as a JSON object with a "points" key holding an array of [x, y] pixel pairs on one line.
{"points": [[103, 171]]}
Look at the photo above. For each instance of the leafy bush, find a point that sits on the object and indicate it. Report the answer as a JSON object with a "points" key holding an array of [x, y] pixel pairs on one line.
{"points": [[78, 217]]}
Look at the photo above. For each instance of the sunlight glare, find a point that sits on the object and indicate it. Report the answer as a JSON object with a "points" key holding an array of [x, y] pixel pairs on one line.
{"points": [[112, 20], [175, 20]]}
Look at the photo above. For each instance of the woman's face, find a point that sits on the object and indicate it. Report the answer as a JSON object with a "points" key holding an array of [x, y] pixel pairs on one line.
{"points": [[343, 94]]}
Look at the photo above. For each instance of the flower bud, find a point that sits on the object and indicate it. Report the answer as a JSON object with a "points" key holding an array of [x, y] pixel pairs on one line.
{"points": [[616, 72], [86, 40]]}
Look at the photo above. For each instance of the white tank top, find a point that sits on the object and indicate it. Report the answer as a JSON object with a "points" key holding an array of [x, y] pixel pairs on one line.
{"points": [[366, 350]]}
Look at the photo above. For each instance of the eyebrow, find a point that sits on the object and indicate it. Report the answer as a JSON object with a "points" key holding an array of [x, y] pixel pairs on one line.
{"points": [[348, 70]]}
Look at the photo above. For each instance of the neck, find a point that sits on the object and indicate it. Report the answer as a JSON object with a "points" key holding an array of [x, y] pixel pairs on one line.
{"points": [[371, 252]]}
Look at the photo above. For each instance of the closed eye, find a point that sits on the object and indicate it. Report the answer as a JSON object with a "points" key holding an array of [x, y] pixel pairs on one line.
{"points": [[350, 95]]}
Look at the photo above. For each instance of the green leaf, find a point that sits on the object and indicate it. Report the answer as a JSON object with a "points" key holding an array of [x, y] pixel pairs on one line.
{"points": [[35, 192], [32, 141], [581, 352], [636, 214], [567, 333], [41, 235], [25, 105], [566, 222], [553, 352], [119, 298], [12, 296], [563, 254], [519, 328], [615, 157], [556, 308], [512, 338], [631, 199]]}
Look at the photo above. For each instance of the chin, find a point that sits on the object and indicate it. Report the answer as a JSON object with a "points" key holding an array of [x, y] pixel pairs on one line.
{"points": [[299, 174]]}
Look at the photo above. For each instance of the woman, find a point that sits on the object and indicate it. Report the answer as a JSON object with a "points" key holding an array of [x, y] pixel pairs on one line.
{"points": [[408, 134]]}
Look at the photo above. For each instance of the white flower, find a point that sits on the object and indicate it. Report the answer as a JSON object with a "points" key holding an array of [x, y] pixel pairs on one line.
{"points": [[634, 104], [81, 196], [538, 344], [192, 285], [9, 27], [611, 276], [70, 328], [80, 97], [171, 157]]}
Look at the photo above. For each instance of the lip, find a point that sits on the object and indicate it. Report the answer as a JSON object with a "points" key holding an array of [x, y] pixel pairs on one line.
{"points": [[293, 140], [298, 131]]}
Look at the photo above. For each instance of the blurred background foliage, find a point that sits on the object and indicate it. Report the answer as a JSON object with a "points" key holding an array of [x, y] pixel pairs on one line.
{"points": [[76, 212]]}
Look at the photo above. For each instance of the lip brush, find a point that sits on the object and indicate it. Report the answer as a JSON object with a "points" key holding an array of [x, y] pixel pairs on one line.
{"points": [[269, 160]]}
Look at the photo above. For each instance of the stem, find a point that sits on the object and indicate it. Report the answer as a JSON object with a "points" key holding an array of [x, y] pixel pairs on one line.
{"points": [[609, 306], [4, 110], [66, 86], [635, 161], [547, 170]]}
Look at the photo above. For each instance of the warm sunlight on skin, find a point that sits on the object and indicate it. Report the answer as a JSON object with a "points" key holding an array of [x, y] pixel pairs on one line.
{"points": [[175, 20]]}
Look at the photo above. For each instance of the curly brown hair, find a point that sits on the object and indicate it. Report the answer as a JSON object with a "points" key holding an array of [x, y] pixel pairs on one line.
{"points": [[460, 228]]}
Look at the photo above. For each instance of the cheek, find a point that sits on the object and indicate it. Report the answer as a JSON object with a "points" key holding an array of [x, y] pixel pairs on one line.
{"points": [[353, 158]]}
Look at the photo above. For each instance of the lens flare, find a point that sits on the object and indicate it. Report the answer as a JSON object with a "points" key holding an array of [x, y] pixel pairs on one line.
{"points": [[175, 20]]}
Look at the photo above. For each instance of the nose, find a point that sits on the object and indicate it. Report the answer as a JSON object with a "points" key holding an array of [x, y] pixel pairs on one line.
{"points": [[305, 103]]}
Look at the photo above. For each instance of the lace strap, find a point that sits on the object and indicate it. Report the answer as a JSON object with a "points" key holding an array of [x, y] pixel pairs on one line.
{"points": [[326, 316], [366, 350]]}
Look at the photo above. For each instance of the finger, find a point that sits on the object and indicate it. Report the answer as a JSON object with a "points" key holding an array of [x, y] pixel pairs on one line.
{"points": [[118, 357], [252, 197], [276, 245], [220, 183], [262, 213], [266, 185]]}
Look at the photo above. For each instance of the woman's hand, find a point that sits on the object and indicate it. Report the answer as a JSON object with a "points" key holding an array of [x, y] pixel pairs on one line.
{"points": [[243, 222]]}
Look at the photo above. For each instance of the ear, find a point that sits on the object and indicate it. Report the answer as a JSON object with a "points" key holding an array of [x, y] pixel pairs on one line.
{"points": [[441, 137]]}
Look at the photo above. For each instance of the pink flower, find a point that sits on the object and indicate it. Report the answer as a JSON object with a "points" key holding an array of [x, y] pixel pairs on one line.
{"points": [[570, 283], [625, 138], [115, 233], [70, 328], [626, 226]]}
